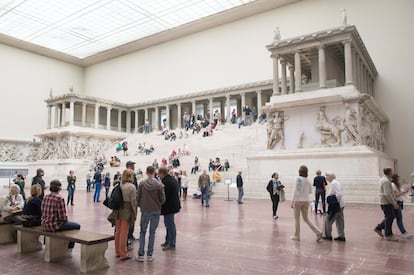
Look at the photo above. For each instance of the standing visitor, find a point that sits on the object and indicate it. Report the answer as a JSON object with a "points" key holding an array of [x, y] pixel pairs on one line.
{"points": [[336, 206], [388, 204], [150, 197], [320, 191], [170, 207], [273, 187], [131, 165], [300, 203], [107, 183], [239, 182], [71, 179], [38, 179], [126, 215], [98, 178], [89, 178], [21, 183], [184, 183], [399, 193], [204, 185]]}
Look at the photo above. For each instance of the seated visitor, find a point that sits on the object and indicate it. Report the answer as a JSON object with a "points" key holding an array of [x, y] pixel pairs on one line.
{"points": [[240, 122], [210, 165], [119, 147], [12, 204], [194, 169], [226, 164], [215, 177], [217, 164], [32, 209], [173, 136], [233, 116], [54, 217], [196, 128], [164, 131], [208, 132], [262, 118]]}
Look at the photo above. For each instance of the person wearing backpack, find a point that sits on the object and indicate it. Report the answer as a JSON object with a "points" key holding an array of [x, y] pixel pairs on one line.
{"points": [[125, 215], [150, 197]]}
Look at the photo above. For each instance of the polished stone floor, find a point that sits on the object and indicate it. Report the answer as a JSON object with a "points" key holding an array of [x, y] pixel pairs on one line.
{"points": [[228, 238]]}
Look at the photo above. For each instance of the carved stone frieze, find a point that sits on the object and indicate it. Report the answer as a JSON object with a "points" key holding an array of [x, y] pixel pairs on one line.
{"points": [[275, 130], [330, 130]]}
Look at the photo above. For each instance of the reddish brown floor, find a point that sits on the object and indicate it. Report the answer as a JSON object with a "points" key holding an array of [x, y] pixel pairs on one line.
{"points": [[228, 238]]}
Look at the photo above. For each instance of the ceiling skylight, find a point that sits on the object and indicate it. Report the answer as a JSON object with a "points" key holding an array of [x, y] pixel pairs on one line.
{"points": [[82, 28]]}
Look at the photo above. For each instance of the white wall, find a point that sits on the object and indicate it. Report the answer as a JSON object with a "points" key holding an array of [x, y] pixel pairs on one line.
{"points": [[25, 82]]}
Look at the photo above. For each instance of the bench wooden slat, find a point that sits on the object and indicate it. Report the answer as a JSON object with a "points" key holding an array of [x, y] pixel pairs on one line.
{"points": [[77, 236]]}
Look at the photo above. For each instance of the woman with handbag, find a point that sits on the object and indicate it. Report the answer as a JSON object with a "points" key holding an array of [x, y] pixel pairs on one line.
{"points": [[275, 187], [399, 194]]}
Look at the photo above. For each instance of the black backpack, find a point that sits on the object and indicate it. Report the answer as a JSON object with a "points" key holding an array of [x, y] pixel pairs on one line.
{"points": [[116, 200]]}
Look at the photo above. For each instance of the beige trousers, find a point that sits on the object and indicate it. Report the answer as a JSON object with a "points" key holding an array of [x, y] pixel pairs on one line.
{"points": [[303, 206]]}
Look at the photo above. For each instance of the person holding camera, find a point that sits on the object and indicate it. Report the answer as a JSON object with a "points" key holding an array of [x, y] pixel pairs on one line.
{"points": [[274, 187]]}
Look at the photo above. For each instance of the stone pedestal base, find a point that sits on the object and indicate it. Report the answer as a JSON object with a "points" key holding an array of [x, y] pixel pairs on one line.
{"points": [[357, 168], [27, 242], [56, 249], [93, 257], [6, 234]]}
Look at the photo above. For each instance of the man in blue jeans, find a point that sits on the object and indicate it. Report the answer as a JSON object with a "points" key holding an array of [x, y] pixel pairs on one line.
{"points": [[320, 191], [170, 207], [150, 197], [204, 185], [239, 181], [388, 204]]}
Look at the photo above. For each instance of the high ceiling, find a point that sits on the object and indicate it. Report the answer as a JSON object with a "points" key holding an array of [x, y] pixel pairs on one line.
{"points": [[82, 28]]}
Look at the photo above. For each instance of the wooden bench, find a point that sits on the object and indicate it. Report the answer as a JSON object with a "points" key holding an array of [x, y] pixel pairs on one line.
{"points": [[6, 232], [93, 245]]}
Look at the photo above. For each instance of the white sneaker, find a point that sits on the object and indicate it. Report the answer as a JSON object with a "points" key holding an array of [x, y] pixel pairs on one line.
{"points": [[294, 238], [150, 258], [140, 258], [407, 235]]}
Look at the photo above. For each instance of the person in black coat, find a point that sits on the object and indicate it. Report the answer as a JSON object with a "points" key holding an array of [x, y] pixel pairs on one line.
{"points": [[239, 181], [273, 187], [38, 179], [170, 207]]}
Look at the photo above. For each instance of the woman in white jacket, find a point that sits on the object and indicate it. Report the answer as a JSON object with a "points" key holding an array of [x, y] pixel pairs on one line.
{"points": [[300, 203], [12, 203]]}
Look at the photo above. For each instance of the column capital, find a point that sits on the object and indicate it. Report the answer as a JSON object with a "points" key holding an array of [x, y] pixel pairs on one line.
{"points": [[321, 46], [283, 61], [347, 41]]}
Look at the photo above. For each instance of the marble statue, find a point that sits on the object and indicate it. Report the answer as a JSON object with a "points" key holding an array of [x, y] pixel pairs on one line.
{"points": [[372, 130], [330, 131], [276, 36], [301, 138], [351, 126], [344, 17], [275, 131]]}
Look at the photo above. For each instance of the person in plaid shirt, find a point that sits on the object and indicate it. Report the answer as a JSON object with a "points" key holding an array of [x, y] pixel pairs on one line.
{"points": [[53, 209]]}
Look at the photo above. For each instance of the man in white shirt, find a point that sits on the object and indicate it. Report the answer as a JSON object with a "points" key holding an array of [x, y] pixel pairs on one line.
{"points": [[338, 216]]}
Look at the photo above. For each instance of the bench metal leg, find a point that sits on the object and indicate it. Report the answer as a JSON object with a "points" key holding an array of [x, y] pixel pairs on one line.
{"points": [[6, 234], [28, 242], [93, 257], [56, 249]]}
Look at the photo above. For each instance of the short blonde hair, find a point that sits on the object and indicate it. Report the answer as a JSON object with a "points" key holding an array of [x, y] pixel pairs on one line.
{"points": [[127, 176], [330, 174]]}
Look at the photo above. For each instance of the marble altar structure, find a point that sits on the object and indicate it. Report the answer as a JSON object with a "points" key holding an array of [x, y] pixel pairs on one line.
{"points": [[324, 115]]}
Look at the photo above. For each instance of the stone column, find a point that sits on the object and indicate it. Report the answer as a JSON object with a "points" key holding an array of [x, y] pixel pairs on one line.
{"points": [[128, 121], [291, 79], [63, 114], [193, 107], [228, 111], [136, 121], [298, 73], [243, 104], [96, 116], [157, 119], [348, 63], [322, 66], [179, 115], [167, 116], [71, 113], [284, 77], [57, 116], [49, 117], [119, 120], [146, 114], [108, 118], [276, 75], [210, 106], [259, 102], [83, 114]]}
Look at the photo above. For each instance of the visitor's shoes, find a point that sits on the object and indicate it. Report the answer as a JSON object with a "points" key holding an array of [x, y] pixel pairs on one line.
{"points": [[164, 245], [168, 247], [207, 205], [379, 232], [129, 247], [72, 204], [150, 258], [126, 258], [341, 239], [407, 235], [294, 238], [327, 238], [275, 217], [139, 258], [240, 202], [324, 214], [391, 238], [318, 236]]}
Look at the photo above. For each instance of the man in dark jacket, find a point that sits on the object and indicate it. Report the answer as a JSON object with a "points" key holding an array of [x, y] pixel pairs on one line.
{"points": [[169, 208], [38, 179], [239, 181]]}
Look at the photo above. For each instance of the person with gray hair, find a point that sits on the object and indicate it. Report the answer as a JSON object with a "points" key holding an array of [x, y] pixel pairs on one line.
{"points": [[336, 206]]}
